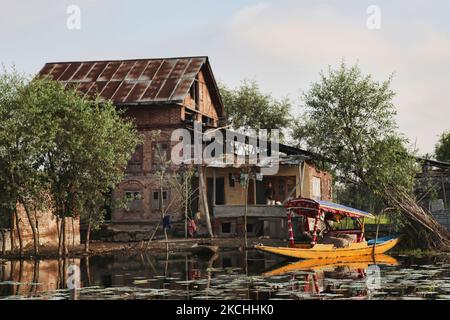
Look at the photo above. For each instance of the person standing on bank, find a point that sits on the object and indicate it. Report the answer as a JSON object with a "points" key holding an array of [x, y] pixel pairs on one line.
{"points": [[270, 194]]}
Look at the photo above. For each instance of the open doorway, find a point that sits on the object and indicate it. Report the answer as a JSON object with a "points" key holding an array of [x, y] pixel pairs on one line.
{"points": [[219, 191]]}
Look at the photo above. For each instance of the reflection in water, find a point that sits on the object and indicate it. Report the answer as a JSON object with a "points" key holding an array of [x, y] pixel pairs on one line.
{"points": [[30, 278], [229, 274], [351, 268]]}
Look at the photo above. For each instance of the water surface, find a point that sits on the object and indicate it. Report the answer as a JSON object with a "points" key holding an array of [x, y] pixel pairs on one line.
{"points": [[227, 275]]}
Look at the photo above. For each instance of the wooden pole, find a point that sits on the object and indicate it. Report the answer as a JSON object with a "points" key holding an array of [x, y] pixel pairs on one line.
{"points": [[186, 196], [204, 199], [376, 236], [246, 208], [444, 194], [290, 230], [214, 187], [314, 236], [153, 235]]}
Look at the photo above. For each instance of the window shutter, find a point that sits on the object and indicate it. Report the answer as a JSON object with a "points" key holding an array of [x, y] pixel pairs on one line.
{"points": [[316, 189], [155, 200]]}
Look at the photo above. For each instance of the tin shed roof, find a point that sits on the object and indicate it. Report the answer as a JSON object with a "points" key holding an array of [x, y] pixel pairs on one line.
{"points": [[128, 82]]}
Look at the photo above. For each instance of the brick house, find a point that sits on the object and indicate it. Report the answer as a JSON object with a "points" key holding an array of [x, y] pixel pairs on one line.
{"points": [[158, 94], [167, 94]]}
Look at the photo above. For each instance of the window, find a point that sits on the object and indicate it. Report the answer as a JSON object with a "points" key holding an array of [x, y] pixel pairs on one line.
{"points": [[316, 188], [249, 227], [207, 121], [231, 180], [156, 199], [134, 200], [135, 163], [226, 227], [194, 92], [161, 154]]}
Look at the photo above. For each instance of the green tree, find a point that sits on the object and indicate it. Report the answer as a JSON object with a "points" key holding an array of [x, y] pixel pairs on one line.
{"points": [[89, 149], [349, 120], [442, 149], [111, 140], [6, 212], [58, 151], [22, 140], [248, 108]]}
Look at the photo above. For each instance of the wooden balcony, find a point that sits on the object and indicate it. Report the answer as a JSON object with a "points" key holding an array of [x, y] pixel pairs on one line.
{"points": [[233, 211]]}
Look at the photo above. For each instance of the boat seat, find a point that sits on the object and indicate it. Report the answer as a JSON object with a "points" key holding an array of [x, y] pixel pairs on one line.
{"points": [[341, 240]]}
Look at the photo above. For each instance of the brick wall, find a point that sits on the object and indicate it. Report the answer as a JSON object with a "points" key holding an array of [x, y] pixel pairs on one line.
{"points": [[47, 229], [141, 178], [325, 182], [146, 183], [205, 103]]}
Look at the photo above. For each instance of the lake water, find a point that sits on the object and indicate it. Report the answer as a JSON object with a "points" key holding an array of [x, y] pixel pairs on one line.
{"points": [[227, 275]]}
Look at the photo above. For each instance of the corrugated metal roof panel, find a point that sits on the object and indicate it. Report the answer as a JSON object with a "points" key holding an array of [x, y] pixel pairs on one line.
{"points": [[150, 71], [152, 90], [82, 72], [84, 87], [136, 92], [109, 71], [58, 70], [45, 71], [123, 91], [167, 89], [96, 70], [137, 70], [182, 88], [109, 90], [142, 81], [96, 88], [70, 71], [193, 68], [123, 70]]}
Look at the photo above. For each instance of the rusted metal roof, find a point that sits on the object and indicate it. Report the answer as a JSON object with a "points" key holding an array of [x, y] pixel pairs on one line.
{"points": [[142, 81]]}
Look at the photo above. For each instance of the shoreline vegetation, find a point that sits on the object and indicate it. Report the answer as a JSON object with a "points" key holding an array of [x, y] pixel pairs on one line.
{"points": [[101, 248]]}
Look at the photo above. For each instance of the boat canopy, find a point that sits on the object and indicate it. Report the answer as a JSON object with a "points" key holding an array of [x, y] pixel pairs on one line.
{"points": [[332, 211]]}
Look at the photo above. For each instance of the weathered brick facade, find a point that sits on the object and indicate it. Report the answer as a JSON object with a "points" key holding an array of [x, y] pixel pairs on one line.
{"points": [[47, 230], [140, 176]]}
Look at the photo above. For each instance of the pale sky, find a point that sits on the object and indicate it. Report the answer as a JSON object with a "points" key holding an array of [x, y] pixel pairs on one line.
{"points": [[282, 44]]}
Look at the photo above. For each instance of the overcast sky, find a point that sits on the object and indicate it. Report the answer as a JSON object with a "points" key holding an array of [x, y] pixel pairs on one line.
{"points": [[281, 44]]}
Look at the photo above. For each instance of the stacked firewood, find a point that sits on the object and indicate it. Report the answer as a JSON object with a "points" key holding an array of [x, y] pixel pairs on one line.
{"points": [[421, 224]]}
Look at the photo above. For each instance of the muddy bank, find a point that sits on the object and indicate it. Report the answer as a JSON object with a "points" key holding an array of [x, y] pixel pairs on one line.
{"points": [[157, 246], [181, 246]]}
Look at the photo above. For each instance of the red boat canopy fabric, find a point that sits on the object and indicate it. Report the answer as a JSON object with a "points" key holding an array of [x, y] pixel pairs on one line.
{"points": [[309, 207]]}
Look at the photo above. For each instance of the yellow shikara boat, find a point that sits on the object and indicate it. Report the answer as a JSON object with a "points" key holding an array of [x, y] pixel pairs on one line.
{"points": [[325, 211], [327, 251], [353, 263]]}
